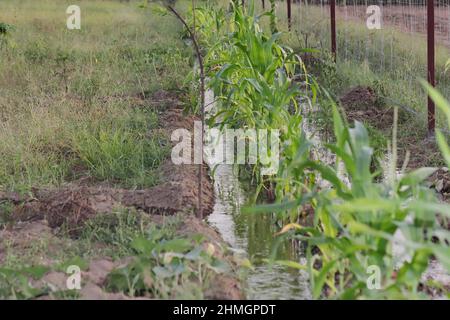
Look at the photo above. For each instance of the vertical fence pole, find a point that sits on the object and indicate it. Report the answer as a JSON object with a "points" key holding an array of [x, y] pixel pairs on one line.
{"points": [[431, 64], [263, 4], [333, 28], [289, 14]]}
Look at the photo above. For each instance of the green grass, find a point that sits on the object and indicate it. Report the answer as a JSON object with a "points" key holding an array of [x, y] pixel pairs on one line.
{"points": [[386, 57], [107, 235], [66, 95], [116, 231]]}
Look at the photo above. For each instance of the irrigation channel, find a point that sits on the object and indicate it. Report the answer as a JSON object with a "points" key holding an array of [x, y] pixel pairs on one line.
{"points": [[253, 235]]}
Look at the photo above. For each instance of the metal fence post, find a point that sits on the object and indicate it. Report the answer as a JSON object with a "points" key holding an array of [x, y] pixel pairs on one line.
{"points": [[289, 14], [263, 4], [431, 65], [333, 28]]}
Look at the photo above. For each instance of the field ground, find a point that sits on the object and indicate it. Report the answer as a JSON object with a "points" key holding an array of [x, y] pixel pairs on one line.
{"points": [[84, 122]]}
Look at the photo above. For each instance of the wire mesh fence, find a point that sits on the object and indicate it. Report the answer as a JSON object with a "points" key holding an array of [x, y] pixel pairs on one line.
{"points": [[392, 54]]}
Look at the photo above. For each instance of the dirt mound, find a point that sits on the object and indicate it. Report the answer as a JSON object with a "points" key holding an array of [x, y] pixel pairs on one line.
{"points": [[73, 204], [361, 104], [178, 194]]}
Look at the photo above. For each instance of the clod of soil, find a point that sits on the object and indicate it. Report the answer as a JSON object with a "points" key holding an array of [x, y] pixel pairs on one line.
{"points": [[359, 98]]}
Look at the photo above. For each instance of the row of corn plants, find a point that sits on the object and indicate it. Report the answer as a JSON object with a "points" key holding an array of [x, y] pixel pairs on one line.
{"points": [[258, 83]]}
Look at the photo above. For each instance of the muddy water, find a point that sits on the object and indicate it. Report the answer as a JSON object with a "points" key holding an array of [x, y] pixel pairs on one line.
{"points": [[252, 236]]}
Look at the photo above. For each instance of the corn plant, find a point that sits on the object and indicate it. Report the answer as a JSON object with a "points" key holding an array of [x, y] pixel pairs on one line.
{"points": [[356, 227], [390, 225]]}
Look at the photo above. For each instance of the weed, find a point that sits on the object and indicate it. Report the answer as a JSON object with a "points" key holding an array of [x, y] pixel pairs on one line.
{"points": [[5, 28], [167, 268], [37, 52], [6, 209], [5, 31]]}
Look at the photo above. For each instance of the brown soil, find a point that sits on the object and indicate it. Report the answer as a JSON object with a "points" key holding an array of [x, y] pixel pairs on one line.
{"points": [[424, 152], [72, 205], [23, 235], [360, 103]]}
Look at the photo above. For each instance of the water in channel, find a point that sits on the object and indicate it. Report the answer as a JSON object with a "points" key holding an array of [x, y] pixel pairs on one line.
{"points": [[252, 235]]}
